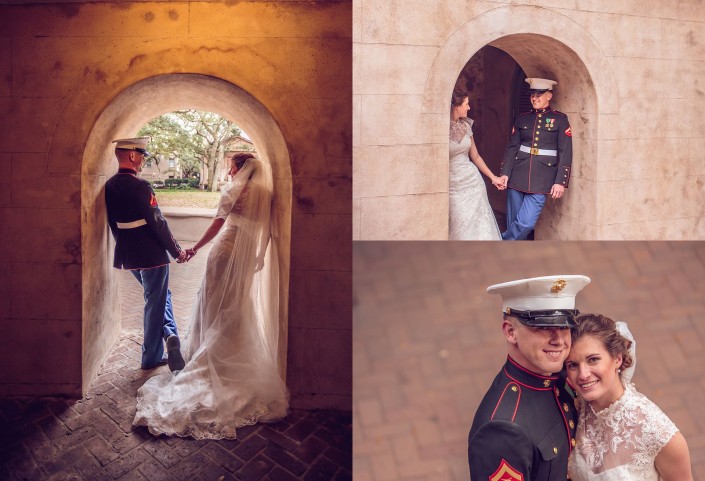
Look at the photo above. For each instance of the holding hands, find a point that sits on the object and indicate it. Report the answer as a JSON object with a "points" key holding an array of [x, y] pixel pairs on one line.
{"points": [[186, 255], [500, 182]]}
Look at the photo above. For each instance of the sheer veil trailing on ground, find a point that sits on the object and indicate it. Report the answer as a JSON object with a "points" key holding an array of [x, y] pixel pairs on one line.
{"points": [[231, 377]]}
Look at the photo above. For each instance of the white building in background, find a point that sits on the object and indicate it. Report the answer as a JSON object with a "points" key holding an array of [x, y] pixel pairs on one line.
{"points": [[171, 168], [236, 145], [166, 169]]}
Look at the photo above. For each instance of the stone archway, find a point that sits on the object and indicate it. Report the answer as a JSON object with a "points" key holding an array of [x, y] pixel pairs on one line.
{"points": [[122, 117], [544, 44]]}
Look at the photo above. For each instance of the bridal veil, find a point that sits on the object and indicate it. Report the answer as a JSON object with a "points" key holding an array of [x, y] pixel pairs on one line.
{"points": [[231, 377]]}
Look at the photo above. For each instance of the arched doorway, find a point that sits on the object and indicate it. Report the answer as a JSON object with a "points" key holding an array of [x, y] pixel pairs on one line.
{"points": [[547, 45], [489, 77], [121, 118]]}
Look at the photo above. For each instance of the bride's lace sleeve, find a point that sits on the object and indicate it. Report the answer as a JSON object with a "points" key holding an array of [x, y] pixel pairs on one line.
{"points": [[656, 431], [228, 198], [631, 432], [459, 129]]}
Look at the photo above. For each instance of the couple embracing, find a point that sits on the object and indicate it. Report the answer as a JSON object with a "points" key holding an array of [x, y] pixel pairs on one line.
{"points": [[227, 376], [563, 406], [536, 164]]}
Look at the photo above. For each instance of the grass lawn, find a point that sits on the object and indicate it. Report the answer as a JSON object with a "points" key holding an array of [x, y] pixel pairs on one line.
{"points": [[187, 198]]}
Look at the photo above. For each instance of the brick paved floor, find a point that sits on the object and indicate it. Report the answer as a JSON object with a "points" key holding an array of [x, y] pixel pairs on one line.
{"points": [[427, 341], [92, 439]]}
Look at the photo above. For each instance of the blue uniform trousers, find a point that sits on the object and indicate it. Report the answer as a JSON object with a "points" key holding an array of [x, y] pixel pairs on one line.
{"points": [[159, 320], [523, 211]]}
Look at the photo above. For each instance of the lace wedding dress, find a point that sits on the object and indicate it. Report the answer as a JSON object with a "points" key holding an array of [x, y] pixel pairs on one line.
{"points": [[620, 443], [231, 377], [470, 214]]}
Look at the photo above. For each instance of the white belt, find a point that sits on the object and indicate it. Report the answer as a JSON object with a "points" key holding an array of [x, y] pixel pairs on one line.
{"points": [[131, 225], [535, 151]]}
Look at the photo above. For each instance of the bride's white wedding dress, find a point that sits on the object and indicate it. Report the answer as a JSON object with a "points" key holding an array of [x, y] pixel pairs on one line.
{"points": [[621, 442], [231, 377], [470, 214]]}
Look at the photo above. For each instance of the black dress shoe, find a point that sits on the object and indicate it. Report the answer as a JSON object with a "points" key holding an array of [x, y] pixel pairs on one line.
{"points": [[173, 350]]}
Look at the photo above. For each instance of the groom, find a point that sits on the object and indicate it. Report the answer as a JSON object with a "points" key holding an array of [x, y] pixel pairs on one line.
{"points": [[524, 428], [142, 240], [537, 160]]}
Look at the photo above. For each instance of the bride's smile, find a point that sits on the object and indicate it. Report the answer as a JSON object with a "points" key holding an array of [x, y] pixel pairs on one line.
{"points": [[594, 372]]}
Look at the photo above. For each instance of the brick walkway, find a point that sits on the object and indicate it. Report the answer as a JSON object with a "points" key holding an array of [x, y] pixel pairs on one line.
{"points": [[92, 439], [427, 342]]}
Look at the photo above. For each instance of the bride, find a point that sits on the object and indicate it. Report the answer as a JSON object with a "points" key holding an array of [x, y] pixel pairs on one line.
{"points": [[470, 214], [231, 377], [621, 434]]}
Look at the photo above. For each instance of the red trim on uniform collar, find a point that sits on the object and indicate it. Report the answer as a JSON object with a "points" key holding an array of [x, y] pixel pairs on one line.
{"points": [[528, 378], [542, 111]]}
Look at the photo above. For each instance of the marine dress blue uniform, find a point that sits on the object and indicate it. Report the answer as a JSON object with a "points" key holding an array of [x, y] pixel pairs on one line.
{"points": [[539, 154], [524, 428], [142, 240]]}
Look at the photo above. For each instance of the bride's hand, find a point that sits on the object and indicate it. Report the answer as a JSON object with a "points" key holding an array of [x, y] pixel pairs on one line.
{"points": [[498, 182]]}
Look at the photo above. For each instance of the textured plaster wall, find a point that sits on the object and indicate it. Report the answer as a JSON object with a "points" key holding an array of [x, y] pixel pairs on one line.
{"points": [[630, 78], [62, 67]]}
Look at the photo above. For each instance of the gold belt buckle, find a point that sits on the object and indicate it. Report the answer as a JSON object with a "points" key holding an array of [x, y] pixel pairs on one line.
{"points": [[534, 151]]}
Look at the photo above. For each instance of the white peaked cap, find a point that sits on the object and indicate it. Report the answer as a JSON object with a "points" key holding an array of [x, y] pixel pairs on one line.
{"points": [[540, 293], [540, 83], [133, 143]]}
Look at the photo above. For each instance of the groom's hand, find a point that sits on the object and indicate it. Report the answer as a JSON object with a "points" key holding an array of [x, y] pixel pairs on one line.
{"points": [[182, 257], [557, 191]]}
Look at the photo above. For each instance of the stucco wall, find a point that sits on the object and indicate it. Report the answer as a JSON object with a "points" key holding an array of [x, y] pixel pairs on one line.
{"points": [[62, 65], [630, 78]]}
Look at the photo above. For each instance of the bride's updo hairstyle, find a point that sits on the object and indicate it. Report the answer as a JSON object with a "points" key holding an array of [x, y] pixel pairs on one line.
{"points": [[458, 97], [241, 158], [605, 330]]}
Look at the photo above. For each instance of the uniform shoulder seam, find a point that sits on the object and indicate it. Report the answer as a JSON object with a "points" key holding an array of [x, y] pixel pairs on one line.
{"points": [[508, 403]]}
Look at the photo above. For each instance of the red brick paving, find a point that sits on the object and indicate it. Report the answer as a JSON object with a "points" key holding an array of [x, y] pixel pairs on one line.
{"points": [[93, 439], [426, 339]]}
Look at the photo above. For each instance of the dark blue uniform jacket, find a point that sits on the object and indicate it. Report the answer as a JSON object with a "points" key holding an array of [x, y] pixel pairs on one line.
{"points": [[128, 199], [524, 428], [531, 172]]}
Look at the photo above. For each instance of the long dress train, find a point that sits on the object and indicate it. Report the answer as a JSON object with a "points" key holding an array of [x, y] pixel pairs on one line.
{"points": [[470, 214], [231, 378]]}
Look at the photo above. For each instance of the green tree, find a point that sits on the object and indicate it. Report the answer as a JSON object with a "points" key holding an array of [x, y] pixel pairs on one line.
{"points": [[213, 132], [195, 139], [171, 139]]}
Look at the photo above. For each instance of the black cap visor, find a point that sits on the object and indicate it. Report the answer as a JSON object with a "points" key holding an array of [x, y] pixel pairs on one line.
{"points": [[136, 149], [545, 318]]}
